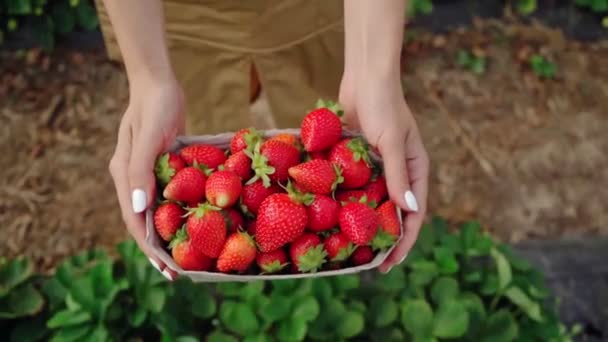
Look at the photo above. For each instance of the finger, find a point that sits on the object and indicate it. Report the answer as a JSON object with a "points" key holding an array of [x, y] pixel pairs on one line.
{"points": [[392, 147], [134, 222], [141, 170]]}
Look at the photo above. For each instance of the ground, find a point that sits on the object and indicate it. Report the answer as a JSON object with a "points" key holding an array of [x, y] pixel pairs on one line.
{"points": [[526, 157]]}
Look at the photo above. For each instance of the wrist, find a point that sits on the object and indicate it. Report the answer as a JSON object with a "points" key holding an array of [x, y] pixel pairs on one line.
{"points": [[152, 76]]}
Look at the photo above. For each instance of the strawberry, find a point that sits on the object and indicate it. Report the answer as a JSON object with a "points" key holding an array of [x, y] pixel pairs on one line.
{"points": [[321, 128], [376, 189], [345, 196], [358, 222], [272, 262], [207, 229], [243, 139], [234, 220], [273, 160], [322, 213], [166, 166], [188, 185], [389, 226], [223, 188], [317, 176], [238, 253], [201, 154], [186, 256], [253, 194], [240, 164], [287, 138], [307, 253], [282, 218], [362, 255], [338, 247], [168, 218], [351, 155], [318, 155]]}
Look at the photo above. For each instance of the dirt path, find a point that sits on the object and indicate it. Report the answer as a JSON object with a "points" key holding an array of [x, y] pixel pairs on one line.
{"points": [[526, 157]]}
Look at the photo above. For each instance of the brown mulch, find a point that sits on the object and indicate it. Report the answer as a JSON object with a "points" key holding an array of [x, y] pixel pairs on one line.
{"points": [[526, 157]]}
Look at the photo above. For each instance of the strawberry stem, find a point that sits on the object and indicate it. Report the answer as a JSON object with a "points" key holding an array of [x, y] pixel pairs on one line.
{"points": [[345, 252], [259, 164], [335, 107], [180, 236], [162, 170], [360, 149], [312, 260], [382, 240]]}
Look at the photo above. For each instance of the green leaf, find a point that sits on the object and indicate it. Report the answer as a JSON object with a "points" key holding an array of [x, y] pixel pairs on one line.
{"points": [[291, 329], [252, 289], [187, 339], [278, 308], [331, 315], [54, 291], [100, 333], [446, 261], [489, 285], [66, 318], [32, 329], [13, 273], [283, 286], [417, 317], [426, 239], [203, 305], [423, 272], [500, 326], [72, 333], [444, 288], [239, 318], [322, 290], [219, 336], [451, 320], [305, 309], [392, 334], [351, 325], [18, 7], [155, 299], [599, 6], [257, 338], [519, 298], [526, 6], [86, 16], [478, 65], [451, 242], [476, 310], [345, 283], [462, 58], [383, 311], [63, 17], [137, 317], [22, 301], [605, 22], [503, 267], [473, 277], [391, 281]]}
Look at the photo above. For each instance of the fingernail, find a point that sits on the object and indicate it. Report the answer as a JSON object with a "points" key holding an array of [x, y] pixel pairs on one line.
{"points": [[154, 264], [402, 259], [167, 274], [410, 201], [388, 270], [138, 200]]}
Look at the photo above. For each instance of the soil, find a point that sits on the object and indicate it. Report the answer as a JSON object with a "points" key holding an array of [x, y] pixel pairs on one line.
{"points": [[525, 156]]}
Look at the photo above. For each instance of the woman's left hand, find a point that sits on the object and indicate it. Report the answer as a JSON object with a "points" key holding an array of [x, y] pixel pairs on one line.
{"points": [[379, 109]]}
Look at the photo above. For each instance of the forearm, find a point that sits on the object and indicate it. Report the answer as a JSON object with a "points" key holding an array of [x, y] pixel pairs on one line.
{"points": [[139, 29], [374, 36]]}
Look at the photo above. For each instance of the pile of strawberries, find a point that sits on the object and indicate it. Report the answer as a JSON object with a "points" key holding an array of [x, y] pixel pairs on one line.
{"points": [[282, 204]]}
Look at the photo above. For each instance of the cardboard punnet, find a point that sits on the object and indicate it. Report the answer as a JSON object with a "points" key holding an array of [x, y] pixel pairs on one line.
{"points": [[223, 141]]}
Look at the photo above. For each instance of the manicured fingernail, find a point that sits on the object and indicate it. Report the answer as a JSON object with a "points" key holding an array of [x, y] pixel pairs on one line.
{"points": [[138, 200], [410, 201], [388, 270], [154, 264], [167, 274], [402, 259]]}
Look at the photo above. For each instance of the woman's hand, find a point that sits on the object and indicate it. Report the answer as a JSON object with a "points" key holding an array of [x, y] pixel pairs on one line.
{"points": [[154, 117], [377, 106]]}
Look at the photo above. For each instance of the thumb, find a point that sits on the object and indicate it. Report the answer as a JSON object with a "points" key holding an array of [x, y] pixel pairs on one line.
{"points": [[393, 152], [141, 173]]}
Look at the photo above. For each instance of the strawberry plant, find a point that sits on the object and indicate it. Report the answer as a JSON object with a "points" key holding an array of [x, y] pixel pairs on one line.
{"points": [[417, 7], [542, 67], [471, 62]]}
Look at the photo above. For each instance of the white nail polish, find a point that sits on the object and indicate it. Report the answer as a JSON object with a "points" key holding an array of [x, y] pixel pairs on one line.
{"points": [[138, 200], [402, 259], [410, 201], [154, 264], [167, 274]]}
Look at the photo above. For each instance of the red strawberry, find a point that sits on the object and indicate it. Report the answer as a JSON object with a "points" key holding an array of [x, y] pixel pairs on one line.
{"points": [[186, 256], [167, 165], [307, 253], [201, 154], [317, 176], [351, 155], [273, 160], [188, 185], [238, 253], [207, 229], [281, 219], [234, 220], [240, 164], [338, 247], [322, 213], [376, 190], [168, 218], [223, 188], [321, 128], [252, 227], [362, 255], [286, 138], [358, 222], [345, 196], [253, 194], [245, 138], [272, 262], [389, 226]]}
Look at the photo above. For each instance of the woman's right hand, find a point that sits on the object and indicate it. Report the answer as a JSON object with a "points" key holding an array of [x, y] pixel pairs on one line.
{"points": [[153, 119]]}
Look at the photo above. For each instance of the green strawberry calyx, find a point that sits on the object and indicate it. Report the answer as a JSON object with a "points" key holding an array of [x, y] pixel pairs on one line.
{"points": [[206, 170], [335, 107], [252, 138], [382, 240], [312, 260], [273, 267], [345, 252], [360, 150], [202, 209], [180, 236], [298, 196], [162, 170], [259, 164], [339, 177]]}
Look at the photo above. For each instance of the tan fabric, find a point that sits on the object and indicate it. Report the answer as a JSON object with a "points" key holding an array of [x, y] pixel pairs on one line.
{"points": [[296, 46]]}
